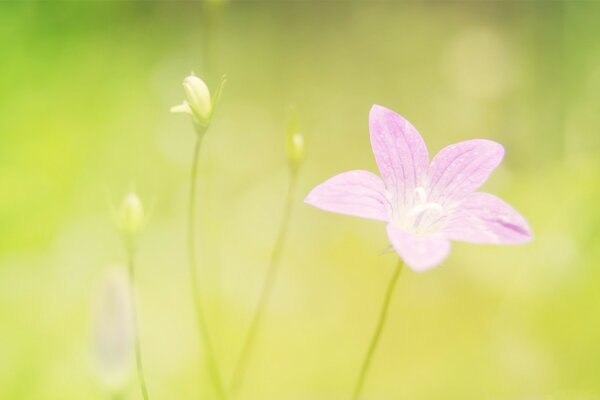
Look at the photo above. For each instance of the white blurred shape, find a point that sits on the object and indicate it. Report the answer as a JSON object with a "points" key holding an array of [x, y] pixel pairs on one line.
{"points": [[112, 330]]}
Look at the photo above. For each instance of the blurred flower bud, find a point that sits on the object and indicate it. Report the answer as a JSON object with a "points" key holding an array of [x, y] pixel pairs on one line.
{"points": [[131, 214], [112, 330], [296, 148], [198, 96], [198, 103], [294, 143]]}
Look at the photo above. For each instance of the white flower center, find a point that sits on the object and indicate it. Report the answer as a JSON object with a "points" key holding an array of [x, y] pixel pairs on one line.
{"points": [[420, 216]]}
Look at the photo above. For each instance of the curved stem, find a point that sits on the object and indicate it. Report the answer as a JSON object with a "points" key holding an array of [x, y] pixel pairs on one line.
{"points": [[205, 339], [136, 330], [267, 289], [375, 339]]}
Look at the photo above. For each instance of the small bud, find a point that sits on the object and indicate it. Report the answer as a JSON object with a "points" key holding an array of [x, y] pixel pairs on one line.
{"points": [[294, 143], [296, 148], [198, 103], [131, 214]]}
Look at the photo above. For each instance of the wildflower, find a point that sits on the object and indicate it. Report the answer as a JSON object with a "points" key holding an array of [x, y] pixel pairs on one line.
{"points": [[425, 205], [131, 221], [198, 104], [201, 106]]}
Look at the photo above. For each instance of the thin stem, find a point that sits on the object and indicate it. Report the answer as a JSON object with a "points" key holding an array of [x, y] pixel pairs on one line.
{"points": [[136, 330], [205, 339], [375, 339], [267, 288]]}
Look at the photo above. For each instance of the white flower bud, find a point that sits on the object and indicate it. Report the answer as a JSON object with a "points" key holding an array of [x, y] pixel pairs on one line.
{"points": [[199, 103], [198, 98], [131, 214]]}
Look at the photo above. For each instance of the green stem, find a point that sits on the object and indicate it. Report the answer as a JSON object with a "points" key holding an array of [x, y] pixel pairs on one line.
{"points": [[375, 339], [136, 330], [205, 339], [267, 288]]}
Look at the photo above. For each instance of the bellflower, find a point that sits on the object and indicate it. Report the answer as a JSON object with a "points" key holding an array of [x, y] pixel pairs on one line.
{"points": [[424, 204]]}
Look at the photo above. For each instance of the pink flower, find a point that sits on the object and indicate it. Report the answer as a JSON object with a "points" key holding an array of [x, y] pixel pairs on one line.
{"points": [[424, 204]]}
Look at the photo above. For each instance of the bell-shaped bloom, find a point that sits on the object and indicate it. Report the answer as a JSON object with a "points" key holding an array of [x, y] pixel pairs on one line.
{"points": [[424, 204]]}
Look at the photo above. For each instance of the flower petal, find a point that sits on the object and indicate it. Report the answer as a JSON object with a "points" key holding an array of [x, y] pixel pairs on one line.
{"points": [[358, 193], [419, 252], [459, 169], [485, 218], [400, 152], [182, 108]]}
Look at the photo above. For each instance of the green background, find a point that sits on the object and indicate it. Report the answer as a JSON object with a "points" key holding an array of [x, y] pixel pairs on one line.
{"points": [[85, 90]]}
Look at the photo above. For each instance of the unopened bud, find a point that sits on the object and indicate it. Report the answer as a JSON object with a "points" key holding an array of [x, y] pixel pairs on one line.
{"points": [[296, 148], [131, 214], [198, 96], [198, 101]]}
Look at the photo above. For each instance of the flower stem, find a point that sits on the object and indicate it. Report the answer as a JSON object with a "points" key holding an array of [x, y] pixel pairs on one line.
{"points": [[267, 289], [375, 339], [205, 339], [136, 330]]}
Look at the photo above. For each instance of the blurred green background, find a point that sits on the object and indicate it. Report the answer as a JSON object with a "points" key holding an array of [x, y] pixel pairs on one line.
{"points": [[85, 89]]}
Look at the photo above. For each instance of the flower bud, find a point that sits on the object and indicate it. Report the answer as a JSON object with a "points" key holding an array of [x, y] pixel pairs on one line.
{"points": [[295, 148], [198, 103], [294, 143], [131, 214], [198, 96]]}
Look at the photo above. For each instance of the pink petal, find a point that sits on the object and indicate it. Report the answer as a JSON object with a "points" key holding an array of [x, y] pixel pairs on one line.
{"points": [[461, 168], [419, 252], [400, 152], [358, 193], [484, 218]]}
